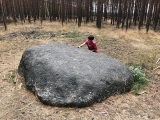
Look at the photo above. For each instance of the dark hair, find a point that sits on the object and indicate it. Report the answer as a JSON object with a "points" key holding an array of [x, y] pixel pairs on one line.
{"points": [[91, 37]]}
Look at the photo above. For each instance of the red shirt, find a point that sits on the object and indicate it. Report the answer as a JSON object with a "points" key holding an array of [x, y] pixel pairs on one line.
{"points": [[91, 45]]}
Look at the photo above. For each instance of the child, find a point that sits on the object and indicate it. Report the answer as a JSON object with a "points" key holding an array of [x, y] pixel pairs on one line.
{"points": [[91, 44]]}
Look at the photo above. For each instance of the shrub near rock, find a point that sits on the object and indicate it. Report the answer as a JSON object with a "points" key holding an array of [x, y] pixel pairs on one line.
{"points": [[63, 75]]}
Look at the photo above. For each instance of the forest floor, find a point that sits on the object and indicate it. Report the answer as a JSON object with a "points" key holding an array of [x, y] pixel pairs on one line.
{"points": [[131, 47]]}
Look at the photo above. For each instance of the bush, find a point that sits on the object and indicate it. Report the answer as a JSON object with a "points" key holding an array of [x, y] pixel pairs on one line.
{"points": [[140, 80]]}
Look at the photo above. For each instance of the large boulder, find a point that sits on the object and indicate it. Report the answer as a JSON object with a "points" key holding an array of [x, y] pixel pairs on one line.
{"points": [[63, 75]]}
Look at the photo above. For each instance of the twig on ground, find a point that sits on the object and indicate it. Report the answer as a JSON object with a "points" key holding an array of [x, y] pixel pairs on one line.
{"points": [[26, 106], [97, 112], [156, 68], [158, 60]]}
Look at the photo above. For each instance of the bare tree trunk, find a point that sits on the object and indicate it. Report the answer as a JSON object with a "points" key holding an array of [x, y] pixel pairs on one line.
{"points": [[79, 12], [99, 14], [119, 13], [14, 12], [149, 15], [105, 10], [3, 15], [156, 12], [124, 12], [142, 13], [21, 11], [87, 11]]}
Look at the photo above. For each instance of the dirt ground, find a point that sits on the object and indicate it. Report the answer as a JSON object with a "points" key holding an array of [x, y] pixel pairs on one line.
{"points": [[131, 47]]}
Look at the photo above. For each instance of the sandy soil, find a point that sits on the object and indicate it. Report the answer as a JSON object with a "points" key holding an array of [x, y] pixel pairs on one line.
{"points": [[131, 47]]}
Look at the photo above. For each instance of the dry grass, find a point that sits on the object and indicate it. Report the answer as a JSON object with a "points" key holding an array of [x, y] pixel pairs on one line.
{"points": [[131, 47]]}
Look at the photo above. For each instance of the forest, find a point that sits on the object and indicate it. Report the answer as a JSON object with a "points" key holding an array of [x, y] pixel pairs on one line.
{"points": [[121, 13]]}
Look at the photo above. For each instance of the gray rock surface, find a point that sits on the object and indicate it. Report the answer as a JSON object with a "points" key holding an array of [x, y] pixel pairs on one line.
{"points": [[63, 75]]}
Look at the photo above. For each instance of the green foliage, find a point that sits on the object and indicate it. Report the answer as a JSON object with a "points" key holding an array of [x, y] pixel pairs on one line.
{"points": [[140, 80]]}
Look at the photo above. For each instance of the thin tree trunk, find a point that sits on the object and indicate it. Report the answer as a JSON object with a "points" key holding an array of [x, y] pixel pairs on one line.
{"points": [[149, 15], [3, 15]]}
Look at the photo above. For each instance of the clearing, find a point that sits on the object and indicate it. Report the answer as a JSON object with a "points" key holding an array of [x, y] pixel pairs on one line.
{"points": [[131, 47]]}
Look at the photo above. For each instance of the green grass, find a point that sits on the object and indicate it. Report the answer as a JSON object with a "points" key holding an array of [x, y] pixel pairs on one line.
{"points": [[11, 76], [140, 80]]}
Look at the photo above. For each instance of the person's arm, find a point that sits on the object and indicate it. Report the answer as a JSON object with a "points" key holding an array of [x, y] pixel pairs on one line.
{"points": [[82, 45]]}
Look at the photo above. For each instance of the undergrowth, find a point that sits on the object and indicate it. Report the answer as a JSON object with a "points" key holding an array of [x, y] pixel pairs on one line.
{"points": [[140, 80]]}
